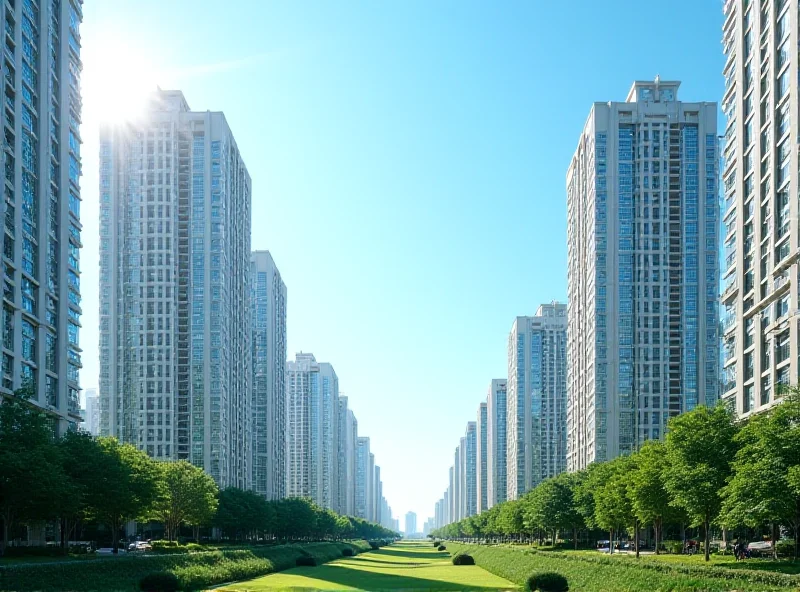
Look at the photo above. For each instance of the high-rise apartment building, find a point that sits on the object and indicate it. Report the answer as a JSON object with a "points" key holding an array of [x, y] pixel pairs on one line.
{"points": [[312, 430], [363, 483], [496, 443], [471, 470], [346, 457], [41, 238], [643, 275], [175, 340], [536, 401], [378, 497], [411, 523], [91, 419], [761, 326], [481, 466], [371, 488], [456, 499], [268, 318]]}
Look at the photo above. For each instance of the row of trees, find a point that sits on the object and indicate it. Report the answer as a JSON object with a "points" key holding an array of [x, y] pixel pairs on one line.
{"points": [[78, 479], [709, 471]]}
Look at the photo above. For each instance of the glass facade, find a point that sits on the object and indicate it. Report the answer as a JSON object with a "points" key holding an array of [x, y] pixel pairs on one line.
{"points": [[41, 205], [174, 376], [643, 322]]}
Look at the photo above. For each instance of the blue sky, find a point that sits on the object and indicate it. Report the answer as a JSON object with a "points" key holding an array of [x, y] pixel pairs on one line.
{"points": [[408, 162]]}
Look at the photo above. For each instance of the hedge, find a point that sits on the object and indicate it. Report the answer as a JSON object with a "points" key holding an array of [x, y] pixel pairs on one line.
{"points": [[608, 574], [194, 571]]}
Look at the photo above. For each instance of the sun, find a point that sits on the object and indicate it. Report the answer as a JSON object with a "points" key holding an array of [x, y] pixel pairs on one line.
{"points": [[116, 82]]}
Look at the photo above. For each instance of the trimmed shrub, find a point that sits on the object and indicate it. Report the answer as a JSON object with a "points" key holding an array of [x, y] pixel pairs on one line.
{"points": [[437, 543], [673, 547], [195, 571], [306, 561], [347, 553], [441, 548], [463, 559], [548, 581], [374, 545], [159, 582], [786, 548]]}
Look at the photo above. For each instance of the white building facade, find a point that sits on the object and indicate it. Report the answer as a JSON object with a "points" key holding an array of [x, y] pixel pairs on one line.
{"points": [[643, 276], [536, 401], [496, 442], [760, 210], [41, 238], [268, 318], [481, 464], [175, 345], [312, 430]]}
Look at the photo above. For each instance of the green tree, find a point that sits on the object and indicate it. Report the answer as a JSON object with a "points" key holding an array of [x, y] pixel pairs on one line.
{"points": [[613, 510], [79, 454], [242, 513], [762, 488], [700, 448], [31, 479], [648, 494], [188, 495], [510, 520], [125, 485], [588, 483]]}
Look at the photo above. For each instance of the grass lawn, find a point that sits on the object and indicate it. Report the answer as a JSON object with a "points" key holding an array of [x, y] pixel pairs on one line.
{"points": [[403, 566], [786, 566]]}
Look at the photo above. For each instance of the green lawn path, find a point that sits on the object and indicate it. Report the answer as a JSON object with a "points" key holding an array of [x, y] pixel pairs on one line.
{"points": [[403, 566]]}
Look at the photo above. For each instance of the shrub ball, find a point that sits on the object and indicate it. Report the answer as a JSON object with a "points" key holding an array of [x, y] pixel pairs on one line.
{"points": [[548, 581], [347, 553], [463, 559], [441, 548], [159, 582]]}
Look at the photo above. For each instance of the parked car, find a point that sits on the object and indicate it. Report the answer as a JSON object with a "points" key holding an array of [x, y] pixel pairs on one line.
{"points": [[757, 548], [141, 546]]}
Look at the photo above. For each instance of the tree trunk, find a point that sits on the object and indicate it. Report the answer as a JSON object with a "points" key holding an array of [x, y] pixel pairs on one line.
{"points": [[775, 536], [575, 537], [656, 529], [707, 538], [115, 535], [5, 535], [611, 541], [636, 535]]}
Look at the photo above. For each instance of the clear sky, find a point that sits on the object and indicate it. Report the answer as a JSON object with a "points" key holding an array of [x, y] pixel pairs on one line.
{"points": [[408, 162]]}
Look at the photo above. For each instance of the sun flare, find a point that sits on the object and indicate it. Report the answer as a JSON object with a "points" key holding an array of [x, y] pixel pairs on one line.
{"points": [[117, 82]]}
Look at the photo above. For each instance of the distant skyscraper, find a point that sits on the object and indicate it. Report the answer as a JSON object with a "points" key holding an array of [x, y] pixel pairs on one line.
{"points": [[449, 496], [470, 470], [496, 443], [175, 340], [761, 322], [92, 418], [363, 483], [456, 503], [643, 273], [536, 401], [268, 318], [312, 431], [346, 457], [372, 492], [41, 307], [378, 497], [481, 476], [411, 523]]}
